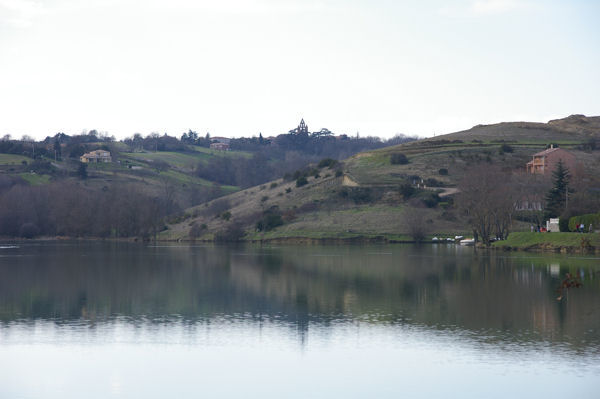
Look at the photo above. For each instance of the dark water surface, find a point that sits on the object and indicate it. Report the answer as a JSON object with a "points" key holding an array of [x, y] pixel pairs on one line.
{"points": [[102, 320]]}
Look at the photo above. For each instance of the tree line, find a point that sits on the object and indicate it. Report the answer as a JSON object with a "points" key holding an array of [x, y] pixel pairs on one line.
{"points": [[70, 209]]}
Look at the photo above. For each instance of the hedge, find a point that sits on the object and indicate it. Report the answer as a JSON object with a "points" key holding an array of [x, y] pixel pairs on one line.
{"points": [[590, 218]]}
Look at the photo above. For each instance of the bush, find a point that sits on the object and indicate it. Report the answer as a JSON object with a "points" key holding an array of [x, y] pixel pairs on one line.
{"points": [[327, 162], [273, 185], [301, 181], [196, 230], [590, 218], [271, 219], [398, 159], [361, 195], [338, 173], [429, 199], [82, 171], [406, 190], [226, 215], [264, 198], [431, 182], [443, 172], [505, 148], [232, 233], [288, 190]]}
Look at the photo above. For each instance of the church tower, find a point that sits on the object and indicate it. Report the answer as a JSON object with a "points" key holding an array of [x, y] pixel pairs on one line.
{"points": [[302, 128]]}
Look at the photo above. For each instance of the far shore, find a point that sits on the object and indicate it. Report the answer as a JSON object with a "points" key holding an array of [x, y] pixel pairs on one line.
{"points": [[572, 243]]}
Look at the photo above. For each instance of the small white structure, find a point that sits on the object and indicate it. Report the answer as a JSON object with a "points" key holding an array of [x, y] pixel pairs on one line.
{"points": [[552, 226]]}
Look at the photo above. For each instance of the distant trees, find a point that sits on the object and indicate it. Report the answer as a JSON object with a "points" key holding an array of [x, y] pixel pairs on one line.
{"points": [[238, 171], [193, 138], [70, 209]]}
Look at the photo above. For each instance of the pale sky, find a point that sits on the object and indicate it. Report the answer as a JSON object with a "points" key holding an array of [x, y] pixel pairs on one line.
{"points": [[240, 67]]}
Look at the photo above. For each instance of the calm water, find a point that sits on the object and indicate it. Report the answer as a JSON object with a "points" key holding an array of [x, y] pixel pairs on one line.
{"points": [[101, 320]]}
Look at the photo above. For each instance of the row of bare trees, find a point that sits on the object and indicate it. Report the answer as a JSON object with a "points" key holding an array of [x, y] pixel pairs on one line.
{"points": [[71, 209]]}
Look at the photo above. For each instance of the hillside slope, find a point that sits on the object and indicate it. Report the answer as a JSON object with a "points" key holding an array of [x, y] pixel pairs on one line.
{"points": [[364, 200]]}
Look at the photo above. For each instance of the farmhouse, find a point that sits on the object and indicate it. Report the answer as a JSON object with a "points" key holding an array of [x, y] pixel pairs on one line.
{"points": [[96, 157], [219, 146], [545, 162], [220, 143]]}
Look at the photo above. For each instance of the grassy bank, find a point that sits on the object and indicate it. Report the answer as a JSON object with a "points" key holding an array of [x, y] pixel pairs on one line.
{"points": [[559, 242]]}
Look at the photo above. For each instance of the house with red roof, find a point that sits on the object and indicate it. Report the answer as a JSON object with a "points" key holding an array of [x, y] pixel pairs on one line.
{"points": [[545, 162]]}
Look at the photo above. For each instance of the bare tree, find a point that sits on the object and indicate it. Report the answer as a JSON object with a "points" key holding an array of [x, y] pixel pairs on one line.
{"points": [[415, 222], [487, 199]]}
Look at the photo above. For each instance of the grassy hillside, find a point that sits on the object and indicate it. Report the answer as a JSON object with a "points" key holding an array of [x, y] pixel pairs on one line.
{"points": [[331, 206]]}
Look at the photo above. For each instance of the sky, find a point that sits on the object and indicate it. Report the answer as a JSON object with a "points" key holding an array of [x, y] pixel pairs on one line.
{"points": [[243, 67]]}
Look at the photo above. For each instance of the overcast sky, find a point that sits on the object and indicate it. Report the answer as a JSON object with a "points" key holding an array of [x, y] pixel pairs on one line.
{"points": [[240, 67]]}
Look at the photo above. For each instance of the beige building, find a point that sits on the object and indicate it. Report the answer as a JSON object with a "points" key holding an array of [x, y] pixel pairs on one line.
{"points": [[96, 157]]}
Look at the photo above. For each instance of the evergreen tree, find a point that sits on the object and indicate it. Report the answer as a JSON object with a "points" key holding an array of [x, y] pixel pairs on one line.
{"points": [[57, 150], [82, 171], [556, 199]]}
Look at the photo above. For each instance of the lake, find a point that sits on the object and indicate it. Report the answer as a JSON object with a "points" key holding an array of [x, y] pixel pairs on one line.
{"points": [[128, 320]]}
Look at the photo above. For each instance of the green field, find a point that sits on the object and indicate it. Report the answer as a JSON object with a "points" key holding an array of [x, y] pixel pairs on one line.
{"points": [[12, 159], [34, 179]]}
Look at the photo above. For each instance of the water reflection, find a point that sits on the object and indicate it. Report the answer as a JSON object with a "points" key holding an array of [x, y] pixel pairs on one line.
{"points": [[497, 297], [131, 320]]}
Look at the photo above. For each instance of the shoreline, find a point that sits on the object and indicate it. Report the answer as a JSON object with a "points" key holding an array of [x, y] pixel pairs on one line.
{"points": [[565, 243]]}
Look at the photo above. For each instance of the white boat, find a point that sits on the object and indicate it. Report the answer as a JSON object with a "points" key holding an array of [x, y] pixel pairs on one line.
{"points": [[467, 241]]}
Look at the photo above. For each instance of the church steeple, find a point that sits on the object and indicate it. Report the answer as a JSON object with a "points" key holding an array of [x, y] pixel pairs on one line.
{"points": [[302, 128]]}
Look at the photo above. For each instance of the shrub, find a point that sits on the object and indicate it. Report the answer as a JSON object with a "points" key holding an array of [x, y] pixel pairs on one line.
{"points": [[443, 171], [264, 198], [361, 195], [196, 230], [429, 199], [226, 215], [338, 173], [398, 159], [271, 219], [301, 181], [431, 182], [590, 218], [232, 233], [273, 185], [505, 148], [406, 190], [288, 190], [327, 162]]}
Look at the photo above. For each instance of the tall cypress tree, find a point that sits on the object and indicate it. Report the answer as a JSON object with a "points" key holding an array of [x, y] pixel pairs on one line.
{"points": [[556, 199]]}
